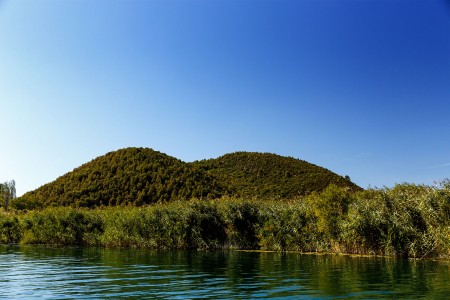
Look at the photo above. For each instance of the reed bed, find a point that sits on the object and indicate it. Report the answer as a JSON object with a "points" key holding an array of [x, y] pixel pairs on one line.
{"points": [[406, 220]]}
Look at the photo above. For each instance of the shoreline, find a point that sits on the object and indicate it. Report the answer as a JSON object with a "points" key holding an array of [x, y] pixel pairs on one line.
{"points": [[408, 221]]}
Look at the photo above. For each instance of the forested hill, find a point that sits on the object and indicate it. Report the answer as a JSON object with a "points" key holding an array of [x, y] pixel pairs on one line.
{"points": [[137, 176], [131, 176], [267, 175]]}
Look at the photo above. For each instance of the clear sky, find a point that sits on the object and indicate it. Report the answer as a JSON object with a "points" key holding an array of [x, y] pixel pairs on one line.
{"points": [[359, 87]]}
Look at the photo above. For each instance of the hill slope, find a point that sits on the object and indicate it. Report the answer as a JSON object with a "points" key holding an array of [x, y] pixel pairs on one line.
{"points": [[137, 176], [269, 175], [133, 176]]}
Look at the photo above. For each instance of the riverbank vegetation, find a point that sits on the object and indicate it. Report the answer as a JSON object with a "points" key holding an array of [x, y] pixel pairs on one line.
{"points": [[406, 220]]}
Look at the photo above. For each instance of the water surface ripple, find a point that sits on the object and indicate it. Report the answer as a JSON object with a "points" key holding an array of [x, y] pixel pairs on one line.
{"points": [[29, 272]]}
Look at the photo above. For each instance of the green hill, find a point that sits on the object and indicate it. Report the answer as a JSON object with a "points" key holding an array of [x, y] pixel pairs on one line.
{"points": [[133, 176], [137, 176], [267, 175]]}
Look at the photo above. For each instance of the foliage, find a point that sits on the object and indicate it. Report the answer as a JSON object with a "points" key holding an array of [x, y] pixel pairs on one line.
{"points": [[269, 176], [285, 228], [25, 203], [328, 209], [205, 226], [60, 226], [245, 219], [10, 229], [139, 176], [7, 193], [407, 220], [132, 176], [158, 227]]}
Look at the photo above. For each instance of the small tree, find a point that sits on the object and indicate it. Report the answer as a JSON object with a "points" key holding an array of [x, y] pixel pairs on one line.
{"points": [[8, 192]]}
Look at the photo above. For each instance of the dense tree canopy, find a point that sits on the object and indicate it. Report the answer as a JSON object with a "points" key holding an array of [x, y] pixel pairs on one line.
{"points": [[132, 176], [137, 176], [269, 175]]}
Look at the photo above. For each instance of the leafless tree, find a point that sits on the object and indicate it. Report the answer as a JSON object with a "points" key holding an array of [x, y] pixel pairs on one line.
{"points": [[8, 192]]}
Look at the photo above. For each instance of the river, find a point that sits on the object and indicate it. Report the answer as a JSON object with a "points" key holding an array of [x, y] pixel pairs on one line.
{"points": [[91, 273]]}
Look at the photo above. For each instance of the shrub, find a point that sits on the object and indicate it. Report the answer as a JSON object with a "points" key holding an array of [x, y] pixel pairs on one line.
{"points": [[329, 209], [245, 219], [205, 226], [10, 229]]}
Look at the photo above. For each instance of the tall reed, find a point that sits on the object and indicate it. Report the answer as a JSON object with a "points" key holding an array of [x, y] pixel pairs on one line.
{"points": [[406, 220]]}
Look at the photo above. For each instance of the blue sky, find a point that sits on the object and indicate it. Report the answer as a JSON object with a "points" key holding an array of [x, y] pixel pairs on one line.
{"points": [[359, 87]]}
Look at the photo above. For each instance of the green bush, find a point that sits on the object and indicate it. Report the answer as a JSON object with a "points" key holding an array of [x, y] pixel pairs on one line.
{"points": [[205, 226], [10, 229], [245, 219], [327, 210]]}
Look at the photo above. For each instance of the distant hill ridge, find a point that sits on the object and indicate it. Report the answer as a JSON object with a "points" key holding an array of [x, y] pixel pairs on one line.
{"points": [[267, 175], [137, 176]]}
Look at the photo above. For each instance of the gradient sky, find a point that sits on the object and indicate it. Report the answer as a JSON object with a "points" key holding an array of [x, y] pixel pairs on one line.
{"points": [[359, 87]]}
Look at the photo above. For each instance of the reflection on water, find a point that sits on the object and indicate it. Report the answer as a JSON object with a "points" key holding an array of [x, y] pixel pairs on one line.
{"points": [[42, 272]]}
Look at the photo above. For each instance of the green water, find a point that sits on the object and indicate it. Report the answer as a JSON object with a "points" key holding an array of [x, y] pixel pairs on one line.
{"points": [[55, 273]]}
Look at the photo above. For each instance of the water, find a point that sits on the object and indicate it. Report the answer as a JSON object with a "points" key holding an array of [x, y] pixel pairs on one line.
{"points": [[62, 273]]}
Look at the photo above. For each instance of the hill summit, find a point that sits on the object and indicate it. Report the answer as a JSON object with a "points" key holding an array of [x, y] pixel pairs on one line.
{"points": [[131, 176], [267, 175], [137, 176]]}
